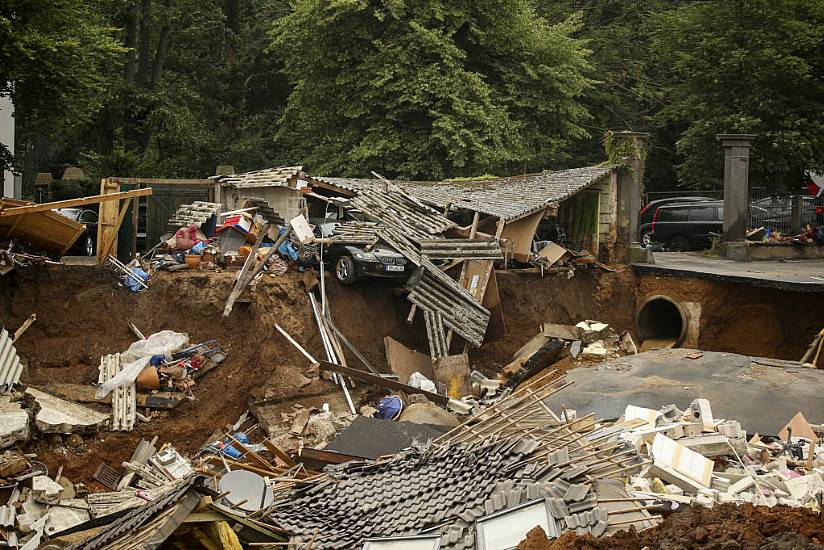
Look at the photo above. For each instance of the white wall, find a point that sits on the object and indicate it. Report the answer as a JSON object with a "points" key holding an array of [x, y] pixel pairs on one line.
{"points": [[7, 139]]}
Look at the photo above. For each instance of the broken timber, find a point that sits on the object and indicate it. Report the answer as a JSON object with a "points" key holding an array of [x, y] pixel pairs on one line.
{"points": [[251, 268], [383, 382]]}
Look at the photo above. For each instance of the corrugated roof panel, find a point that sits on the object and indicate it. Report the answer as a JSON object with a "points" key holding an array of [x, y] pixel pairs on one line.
{"points": [[10, 366], [506, 197], [268, 177]]}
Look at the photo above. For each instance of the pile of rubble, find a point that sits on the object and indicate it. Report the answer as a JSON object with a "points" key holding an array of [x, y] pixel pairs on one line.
{"points": [[697, 459]]}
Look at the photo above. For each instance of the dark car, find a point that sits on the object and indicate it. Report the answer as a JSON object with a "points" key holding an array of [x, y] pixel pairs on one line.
{"points": [[648, 211], [86, 244], [682, 227], [352, 262]]}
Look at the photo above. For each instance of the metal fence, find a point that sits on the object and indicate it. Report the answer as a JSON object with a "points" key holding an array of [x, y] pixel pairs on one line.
{"points": [[775, 212]]}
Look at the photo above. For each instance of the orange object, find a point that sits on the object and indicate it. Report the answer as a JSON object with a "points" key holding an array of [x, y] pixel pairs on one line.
{"points": [[244, 250], [193, 260], [148, 379]]}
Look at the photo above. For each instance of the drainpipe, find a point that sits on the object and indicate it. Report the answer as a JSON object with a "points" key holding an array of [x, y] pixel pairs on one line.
{"points": [[736, 185], [630, 185]]}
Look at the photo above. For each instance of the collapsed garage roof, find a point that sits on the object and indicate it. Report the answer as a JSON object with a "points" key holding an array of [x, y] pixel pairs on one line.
{"points": [[508, 198]]}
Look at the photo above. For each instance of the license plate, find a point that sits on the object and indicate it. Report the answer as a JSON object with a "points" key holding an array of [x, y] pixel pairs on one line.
{"points": [[394, 268]]}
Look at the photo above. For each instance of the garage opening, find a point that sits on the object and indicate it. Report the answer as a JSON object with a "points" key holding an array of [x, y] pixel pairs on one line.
{"points": [[660, 322]]}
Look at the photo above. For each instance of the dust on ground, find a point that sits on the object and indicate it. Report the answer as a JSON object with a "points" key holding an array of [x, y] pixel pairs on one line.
{"points": [[725, 527]]}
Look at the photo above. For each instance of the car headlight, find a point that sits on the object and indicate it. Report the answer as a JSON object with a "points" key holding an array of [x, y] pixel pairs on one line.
{"points": [[366, 257]]}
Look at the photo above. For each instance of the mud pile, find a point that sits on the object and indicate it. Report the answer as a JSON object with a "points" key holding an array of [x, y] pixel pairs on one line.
{"points": [[722, 527]]}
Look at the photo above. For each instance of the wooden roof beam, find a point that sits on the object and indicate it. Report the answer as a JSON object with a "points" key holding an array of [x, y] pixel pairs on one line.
{"points": [[94, 199]]}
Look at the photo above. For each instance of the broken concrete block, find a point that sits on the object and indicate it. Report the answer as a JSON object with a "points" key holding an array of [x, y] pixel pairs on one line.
{"points": [[595, 350], [670, 454], [564, 332], [592, 331], [575, 349], [66, 515], [709, 445], [57, 415], [45, 490], [741, 485], [702, 413], [14, 423], [428, 413], [12, 463], [731, 429], [805, 487], [32, 512]]}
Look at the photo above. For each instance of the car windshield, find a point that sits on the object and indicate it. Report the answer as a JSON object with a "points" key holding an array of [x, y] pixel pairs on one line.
{"points": [[70, 213]]}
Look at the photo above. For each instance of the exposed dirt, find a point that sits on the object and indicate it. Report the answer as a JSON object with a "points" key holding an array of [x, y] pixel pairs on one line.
{"points": [[83, 315], [735, 318], [725, 527]]}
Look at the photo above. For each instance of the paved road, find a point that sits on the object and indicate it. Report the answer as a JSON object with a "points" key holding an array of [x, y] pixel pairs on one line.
{"points": [[762, 397], [803, 275]]}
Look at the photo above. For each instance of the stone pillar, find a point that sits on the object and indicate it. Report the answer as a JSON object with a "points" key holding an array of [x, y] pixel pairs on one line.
{"points": [[736, 184], [630, 186]]}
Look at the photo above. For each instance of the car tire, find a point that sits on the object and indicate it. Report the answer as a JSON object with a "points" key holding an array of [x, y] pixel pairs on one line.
{"points": [[88, 246], [646, 240], [679, 243], [345, 270]]}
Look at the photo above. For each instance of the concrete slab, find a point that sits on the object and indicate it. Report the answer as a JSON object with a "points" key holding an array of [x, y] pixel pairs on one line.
{"points": [[57, 415], [14, 422], [762, 398], [802, 275]]}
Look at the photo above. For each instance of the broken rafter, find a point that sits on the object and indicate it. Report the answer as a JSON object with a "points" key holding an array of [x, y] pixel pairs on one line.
{"points": [[94, 199]]}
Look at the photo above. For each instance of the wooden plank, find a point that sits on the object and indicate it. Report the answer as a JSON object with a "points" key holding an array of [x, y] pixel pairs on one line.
{"points": [[106, 220], [94, 199], [383, 382], [278, 452], [122, 216], [163, 181], [404, 361]]}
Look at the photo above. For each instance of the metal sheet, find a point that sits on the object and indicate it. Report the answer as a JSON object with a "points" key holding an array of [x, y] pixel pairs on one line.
{"points": [[124, 399], [10, 366]]}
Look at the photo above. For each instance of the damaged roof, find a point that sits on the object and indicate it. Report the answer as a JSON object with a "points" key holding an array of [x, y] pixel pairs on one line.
{"points": [[511, 197], [402, 495], [279, 176], [508, 198]]}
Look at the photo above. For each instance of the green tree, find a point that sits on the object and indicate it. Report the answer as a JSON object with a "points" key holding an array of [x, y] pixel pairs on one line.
{"points": [[424, 88], [52, 59], [748, 66]]}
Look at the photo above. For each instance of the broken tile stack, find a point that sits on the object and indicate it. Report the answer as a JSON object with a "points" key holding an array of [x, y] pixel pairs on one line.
{"points": [[701, 460]]}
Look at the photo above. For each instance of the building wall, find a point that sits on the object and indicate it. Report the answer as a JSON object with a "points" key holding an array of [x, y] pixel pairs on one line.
{"points": [[7, 139], [286, 201], [608, 214]]}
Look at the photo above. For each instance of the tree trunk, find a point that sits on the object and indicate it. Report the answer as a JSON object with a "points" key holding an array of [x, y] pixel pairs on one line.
{"points": [[144, 58], [132, 17], [231, 10], [162, 46]]}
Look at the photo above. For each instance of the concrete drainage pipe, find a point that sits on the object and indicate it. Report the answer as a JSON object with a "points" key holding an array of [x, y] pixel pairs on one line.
{"points": [[660, 322]]}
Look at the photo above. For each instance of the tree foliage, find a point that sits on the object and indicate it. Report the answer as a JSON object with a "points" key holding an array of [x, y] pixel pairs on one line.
{"points": [[425, 88], [744, 66], [53, 56], [413, 88]]}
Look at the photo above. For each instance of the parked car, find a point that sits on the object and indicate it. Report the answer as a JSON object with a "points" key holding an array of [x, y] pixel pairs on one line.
{"points": [[648, 211], [683, 227], [351, 262], [86, 244]]}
